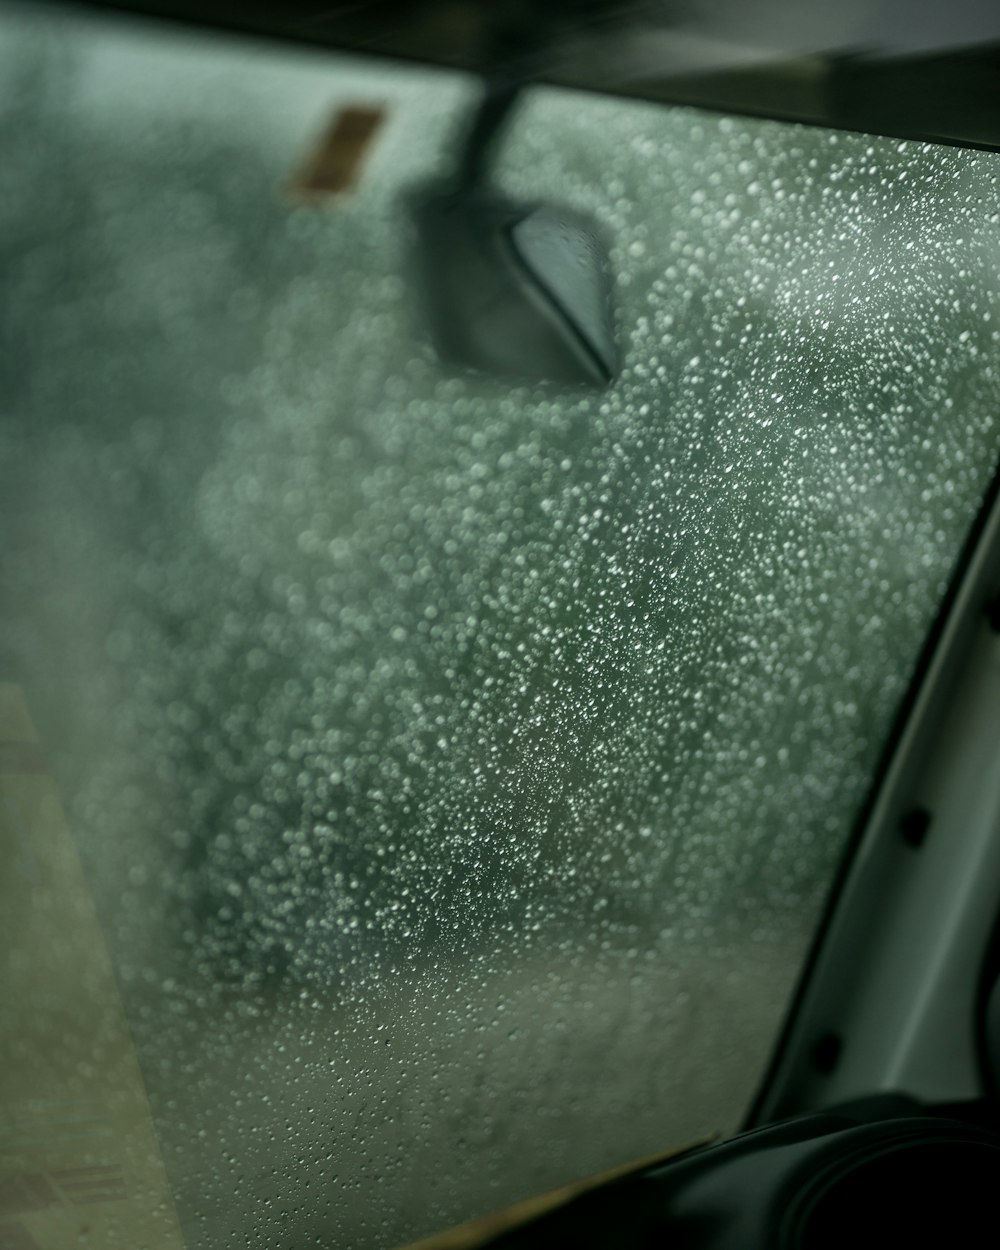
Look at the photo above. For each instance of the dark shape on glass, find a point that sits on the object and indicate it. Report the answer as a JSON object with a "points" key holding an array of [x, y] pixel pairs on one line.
{"points": [[515, 289]]}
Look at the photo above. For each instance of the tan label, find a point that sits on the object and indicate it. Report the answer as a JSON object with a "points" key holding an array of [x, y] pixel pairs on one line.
{"points": [[334, 165], [79, 1161]]}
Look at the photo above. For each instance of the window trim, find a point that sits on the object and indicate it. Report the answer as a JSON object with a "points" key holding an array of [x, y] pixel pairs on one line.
{"points": [[898, 954]]}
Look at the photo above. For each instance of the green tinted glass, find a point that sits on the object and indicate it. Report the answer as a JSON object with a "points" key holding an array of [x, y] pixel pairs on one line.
{"points": [[459, 768]]}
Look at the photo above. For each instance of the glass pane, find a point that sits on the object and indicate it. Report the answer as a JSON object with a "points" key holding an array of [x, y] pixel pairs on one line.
{"points": [[457, 768]]}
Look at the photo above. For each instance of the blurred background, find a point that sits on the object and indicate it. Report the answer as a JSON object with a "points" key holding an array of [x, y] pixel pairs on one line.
{"points": [[459, 768]]}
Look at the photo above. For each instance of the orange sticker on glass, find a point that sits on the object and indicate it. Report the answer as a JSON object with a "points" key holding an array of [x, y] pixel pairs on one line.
{"points": [[334, 166]]}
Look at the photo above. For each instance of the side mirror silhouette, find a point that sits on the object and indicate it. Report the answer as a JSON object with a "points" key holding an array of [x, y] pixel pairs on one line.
{"points": [[519, 290]]}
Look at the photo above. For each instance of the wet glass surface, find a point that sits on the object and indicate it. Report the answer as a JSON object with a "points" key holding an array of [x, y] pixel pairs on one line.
{"points": [[459, 768]]}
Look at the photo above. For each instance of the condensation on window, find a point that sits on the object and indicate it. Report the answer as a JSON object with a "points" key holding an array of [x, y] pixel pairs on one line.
{"points": [[459, 768]]}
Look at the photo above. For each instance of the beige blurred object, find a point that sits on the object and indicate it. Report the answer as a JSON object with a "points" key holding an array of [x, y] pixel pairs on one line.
{"points": [[334, 166], [481, 1232], [79, 1161]]}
